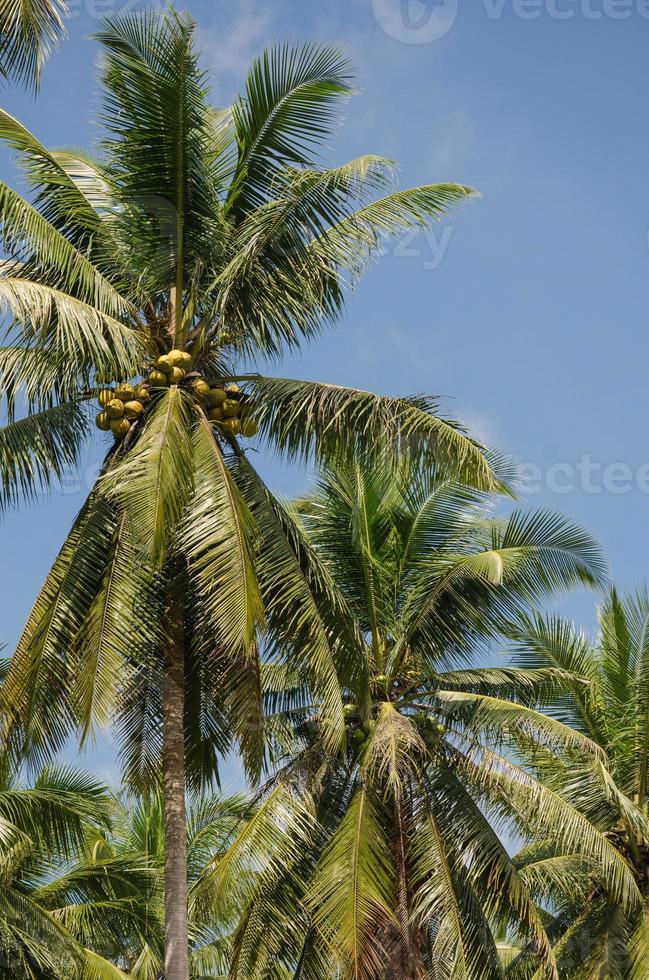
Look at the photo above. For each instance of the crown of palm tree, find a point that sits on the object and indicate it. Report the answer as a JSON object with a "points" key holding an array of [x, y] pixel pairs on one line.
{"points": [[402, 870], [608, 701]]}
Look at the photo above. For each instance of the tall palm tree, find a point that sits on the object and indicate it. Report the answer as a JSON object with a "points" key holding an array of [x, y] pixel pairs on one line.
{"points": [[197, 241], [399, 868], [609, 703], [29, 30]]}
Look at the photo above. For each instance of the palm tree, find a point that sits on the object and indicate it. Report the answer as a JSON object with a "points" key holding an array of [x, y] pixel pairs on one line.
{"points": [[397, 866], [110, 899], [197, 241], [29, 29], [609, 703], [43, 826]]}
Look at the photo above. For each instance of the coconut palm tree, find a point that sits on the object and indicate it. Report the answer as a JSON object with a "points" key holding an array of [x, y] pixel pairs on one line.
{"points": [[44, 825], [400, 869], [29, 30], [111, 897], [609, 703], [196, 242]]}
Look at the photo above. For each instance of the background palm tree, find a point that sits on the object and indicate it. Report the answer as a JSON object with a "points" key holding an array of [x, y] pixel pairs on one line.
{"points": [[401, 869], [44, 825], [29, 29], [608, 702], [213, 235], [111, 898]]}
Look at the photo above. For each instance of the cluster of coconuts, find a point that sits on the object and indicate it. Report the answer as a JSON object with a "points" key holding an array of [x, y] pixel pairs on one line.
{"points": [[358, 732], [226, 403], [120, 407], [170, 368], [226, 406], [429, 728]]}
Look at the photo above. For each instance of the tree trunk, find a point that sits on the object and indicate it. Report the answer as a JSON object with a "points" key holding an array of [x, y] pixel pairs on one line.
{"points": [[173, 760]]}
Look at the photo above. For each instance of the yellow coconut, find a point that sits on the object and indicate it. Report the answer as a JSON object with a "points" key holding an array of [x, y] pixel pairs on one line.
{"points": [[142, 394], [175, 375], [176, 357], [133, 409], [232, 387], [105, 395], [230, 407], [115, 408], [158, 379], [125, 391], [164, 363], [185, 360], [231, 426], [119, 427], [102, 421], [215, 415], [200, 386]]}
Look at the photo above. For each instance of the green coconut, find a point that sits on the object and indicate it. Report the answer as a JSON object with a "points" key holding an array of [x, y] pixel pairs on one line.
{"points": [[125, 391], [249, 428], [185, 360], [175, 357], [231, 408], [231, 426], [164, 363], [105, 395], [102, 421], [215, 396], [359, 736], [175, 375], [201, 387], [350, 711], [133, 409], [215, 414], [119, 427], [158, 379], [115, 408]]}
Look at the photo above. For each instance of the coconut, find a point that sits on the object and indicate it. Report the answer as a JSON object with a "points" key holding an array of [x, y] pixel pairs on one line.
{"points": [[368, 726], [215, 414], [232, 426], [381, 679], [231, 408], [142, 393], [102, 421], [249, 428], [115, 408], [359, 736], [158, 379], [175, 375], [164, 363], [215, 396], [184, 359], [201, 387], [350, 711], [175, 357], [120, 427], [133, 409], [125, 391], [105, 395], [232, 387]]}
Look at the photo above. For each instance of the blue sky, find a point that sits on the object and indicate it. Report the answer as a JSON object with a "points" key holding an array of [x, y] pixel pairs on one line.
{"points": [[527, 310]]}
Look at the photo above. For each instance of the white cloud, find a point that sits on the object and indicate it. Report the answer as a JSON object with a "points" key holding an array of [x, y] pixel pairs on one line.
{"points": [[230, 44]]}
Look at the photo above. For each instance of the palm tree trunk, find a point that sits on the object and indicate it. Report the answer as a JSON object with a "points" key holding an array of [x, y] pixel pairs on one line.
{"points": [[173, 760]]}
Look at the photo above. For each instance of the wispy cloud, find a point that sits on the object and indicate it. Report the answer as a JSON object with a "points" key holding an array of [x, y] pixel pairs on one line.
{"points": [[242, 29]]}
